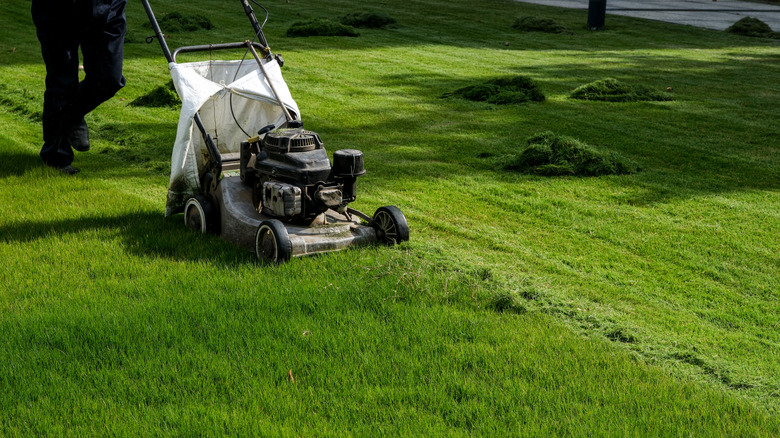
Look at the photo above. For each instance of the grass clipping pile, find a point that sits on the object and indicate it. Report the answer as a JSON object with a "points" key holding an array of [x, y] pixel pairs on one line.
{"points": [[368, 20], [181, 22], [612, 90], [550, 154], [753, 27], [162, 96], [501, 91], [320, 27], [537, 24]]}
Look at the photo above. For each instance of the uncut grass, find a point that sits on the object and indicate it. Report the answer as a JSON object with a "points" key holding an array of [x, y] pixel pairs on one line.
{"points": [[682, 257]]}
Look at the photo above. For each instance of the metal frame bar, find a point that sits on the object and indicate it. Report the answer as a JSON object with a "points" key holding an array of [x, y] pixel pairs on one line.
{"points": [[222, 46]]}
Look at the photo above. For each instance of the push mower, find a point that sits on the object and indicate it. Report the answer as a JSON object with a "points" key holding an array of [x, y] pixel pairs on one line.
{"points": [[275, 192]]}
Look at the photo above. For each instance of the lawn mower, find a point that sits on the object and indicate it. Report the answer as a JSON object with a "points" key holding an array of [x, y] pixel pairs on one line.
{"points": [[276, 192]]}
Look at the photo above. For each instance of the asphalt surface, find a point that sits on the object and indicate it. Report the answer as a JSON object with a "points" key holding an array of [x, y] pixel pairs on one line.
{"points": [[710, 14]]}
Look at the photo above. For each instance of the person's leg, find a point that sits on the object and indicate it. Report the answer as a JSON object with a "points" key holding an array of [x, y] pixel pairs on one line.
{"points": [[102, 45], [102, 42], [56, 29]]}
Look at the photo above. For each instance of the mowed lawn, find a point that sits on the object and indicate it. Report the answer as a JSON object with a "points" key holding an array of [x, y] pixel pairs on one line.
{"points": [[633, 305]]}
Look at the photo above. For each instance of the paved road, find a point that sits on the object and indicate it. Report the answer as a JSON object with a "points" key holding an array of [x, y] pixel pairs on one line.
{"points": [[700, 13]]}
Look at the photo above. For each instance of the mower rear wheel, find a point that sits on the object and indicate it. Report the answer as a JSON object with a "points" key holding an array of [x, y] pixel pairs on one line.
{"points": [[199, 215], [272, 243], [391, 225]]}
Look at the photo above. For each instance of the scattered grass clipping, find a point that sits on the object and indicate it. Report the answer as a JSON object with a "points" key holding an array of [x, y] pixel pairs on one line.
{"points": [[24, 102], [162, 96], [752, 27], [612, 90], [320, 27], [369, 20], [506, 302], [550, 154], [182, 22], [501, 91], [537, 24]]}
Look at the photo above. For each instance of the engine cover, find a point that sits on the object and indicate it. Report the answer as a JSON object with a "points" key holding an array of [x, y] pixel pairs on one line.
{"points": [[292, 177], [295, 168]]}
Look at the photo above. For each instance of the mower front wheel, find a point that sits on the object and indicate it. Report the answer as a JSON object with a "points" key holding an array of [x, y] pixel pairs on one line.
{"points": [[391, 225], [200, 215], [272, 243]]}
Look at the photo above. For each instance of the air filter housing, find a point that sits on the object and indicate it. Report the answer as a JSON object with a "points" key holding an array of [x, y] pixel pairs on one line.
{"points": [[348, 163]]}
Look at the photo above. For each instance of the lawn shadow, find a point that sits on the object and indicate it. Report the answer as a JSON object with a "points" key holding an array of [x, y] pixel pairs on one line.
{"points": [[15, 163], [142, 234], [120, 149]]}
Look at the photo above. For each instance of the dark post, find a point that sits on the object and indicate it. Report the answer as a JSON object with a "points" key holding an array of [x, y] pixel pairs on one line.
{"points": [[597, 10]]}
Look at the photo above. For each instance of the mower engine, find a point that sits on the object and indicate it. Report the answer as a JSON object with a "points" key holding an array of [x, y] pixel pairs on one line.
{"points": [[292, 177]]}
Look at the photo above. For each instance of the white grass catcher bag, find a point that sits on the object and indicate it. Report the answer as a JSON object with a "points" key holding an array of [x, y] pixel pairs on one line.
{"points": [[229, 96]]}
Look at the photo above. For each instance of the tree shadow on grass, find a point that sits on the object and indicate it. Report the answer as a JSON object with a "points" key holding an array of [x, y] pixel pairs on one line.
{"points": [[716, 137], [428, 22], [142, 234], [459, 24]]}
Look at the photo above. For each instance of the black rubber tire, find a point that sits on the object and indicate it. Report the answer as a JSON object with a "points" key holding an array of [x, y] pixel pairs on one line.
{"points": [[390, 225], [200, 215], [272, 243]]}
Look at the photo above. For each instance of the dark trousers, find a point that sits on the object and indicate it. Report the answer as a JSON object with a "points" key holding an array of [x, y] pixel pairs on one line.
{"points": [[98, 27]]}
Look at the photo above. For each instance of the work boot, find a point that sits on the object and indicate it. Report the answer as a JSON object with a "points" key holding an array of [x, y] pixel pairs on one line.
{"points": [[79, 136], [67, 170]]}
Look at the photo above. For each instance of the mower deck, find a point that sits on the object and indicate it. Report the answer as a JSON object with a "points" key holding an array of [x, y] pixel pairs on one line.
{"points": [[330, 231]]}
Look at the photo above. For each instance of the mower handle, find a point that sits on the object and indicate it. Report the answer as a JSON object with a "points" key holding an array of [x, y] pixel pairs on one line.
{"points": [[224, 46], [255, 24], [263, 45], [157, 32]]}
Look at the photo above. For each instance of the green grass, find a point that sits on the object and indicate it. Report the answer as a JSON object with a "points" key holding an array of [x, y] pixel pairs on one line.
{"points": [[633, 305]]}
